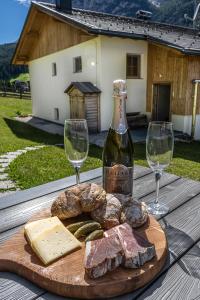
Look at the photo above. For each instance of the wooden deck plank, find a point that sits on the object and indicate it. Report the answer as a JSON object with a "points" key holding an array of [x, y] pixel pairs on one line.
{"points": [[13, 287], [146, 185], [174, 183], [182, 231], [182, 227], [176, 193], [140, 171], [182, 281]]}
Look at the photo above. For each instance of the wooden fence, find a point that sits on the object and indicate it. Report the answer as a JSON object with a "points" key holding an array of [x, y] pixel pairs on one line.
{"points": [[15, 93]]}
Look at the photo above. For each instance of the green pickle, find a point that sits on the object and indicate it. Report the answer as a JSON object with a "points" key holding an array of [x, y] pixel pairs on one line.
{"points": [[86, 229], [75, 226], [97, 234]]}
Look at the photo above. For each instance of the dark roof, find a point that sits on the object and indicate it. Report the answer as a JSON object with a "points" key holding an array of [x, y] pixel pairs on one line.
{"points": [[185, 39], [84, 87]]}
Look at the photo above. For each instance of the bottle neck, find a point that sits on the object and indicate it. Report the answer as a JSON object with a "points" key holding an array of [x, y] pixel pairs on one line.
{"points": [[119, 121]]}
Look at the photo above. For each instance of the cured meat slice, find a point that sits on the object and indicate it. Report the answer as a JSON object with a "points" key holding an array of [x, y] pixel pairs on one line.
{"points": [[137, 250], [120, 246], [103, 255]]}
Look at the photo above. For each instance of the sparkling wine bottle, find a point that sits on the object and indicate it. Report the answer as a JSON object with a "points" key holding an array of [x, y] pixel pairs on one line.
{"points": [[118, 148]]}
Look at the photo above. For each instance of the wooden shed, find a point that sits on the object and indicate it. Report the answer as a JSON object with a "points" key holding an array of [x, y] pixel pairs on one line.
{"points": [[84, 100]]}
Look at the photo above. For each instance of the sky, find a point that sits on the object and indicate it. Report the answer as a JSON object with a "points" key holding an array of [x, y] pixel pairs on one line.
{"points": [[12, 17]]}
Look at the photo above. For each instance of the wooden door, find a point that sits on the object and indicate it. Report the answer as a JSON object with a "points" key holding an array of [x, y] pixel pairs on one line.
{"points": [[77, 107], [161, 102]]}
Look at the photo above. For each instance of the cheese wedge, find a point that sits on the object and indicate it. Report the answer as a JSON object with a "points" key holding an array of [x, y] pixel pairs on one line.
{"points": [[54, 243], [33, 229]]}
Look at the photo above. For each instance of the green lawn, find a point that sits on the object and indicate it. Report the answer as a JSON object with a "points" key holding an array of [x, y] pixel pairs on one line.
{"points": [[15, 135], [49, 163], [39, 166]]}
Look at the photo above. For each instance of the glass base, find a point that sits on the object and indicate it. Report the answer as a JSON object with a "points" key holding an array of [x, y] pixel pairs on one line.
{"points": [[157, 209]]}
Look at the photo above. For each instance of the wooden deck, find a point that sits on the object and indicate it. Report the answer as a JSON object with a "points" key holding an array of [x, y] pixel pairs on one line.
{"points": [[180, 279]]}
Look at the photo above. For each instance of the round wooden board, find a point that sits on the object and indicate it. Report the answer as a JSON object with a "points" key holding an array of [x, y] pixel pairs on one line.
{"points": [[66, 277]]}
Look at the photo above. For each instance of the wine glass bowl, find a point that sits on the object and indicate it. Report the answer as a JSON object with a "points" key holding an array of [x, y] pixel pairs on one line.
{"points": [[159, 153], [76, 143]]}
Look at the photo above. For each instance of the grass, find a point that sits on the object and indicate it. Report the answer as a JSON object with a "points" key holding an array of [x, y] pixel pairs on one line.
{"points": [[185, 162], [49, 163], [37, 167], [15, 135]]}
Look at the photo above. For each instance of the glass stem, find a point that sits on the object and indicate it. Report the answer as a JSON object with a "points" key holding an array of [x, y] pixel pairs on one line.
{"points": [[77, 175], [158, 175]]}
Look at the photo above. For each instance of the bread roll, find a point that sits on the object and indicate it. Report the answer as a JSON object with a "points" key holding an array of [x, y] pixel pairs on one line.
{"points": [[84, 197], [134, 213], [67, 205], [108, 214], [92, 197]]}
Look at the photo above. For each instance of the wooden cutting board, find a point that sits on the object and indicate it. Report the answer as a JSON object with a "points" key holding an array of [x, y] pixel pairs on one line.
{"points": [[66, 277]]}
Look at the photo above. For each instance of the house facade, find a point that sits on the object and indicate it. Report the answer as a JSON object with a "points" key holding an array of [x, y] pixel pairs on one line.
{"points": [[158, 61], [103, 60]]}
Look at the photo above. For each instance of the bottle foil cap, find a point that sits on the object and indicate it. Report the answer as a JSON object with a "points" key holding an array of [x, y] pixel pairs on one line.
{"points": [[119, 88]]}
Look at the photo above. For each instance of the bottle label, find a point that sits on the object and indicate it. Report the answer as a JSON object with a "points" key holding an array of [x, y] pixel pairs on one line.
{"points": [[118, 179]]}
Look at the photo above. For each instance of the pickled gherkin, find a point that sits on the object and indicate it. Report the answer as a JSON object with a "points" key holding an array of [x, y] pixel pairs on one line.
{"points": [[86, 229], [75, 226], [97, 234]]}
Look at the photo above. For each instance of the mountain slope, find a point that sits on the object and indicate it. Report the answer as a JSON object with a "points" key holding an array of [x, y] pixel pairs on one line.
{"points": [[118, 7], [8, 71], [172, 11]]}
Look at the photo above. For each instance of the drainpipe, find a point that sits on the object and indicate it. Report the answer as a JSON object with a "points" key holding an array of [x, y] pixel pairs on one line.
{"points": [[194, 110]]}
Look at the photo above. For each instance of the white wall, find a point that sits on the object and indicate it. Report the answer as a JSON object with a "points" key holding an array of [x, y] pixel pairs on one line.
{"points": [[113, 66], [184, 124], [103, 60], [48, 91]]}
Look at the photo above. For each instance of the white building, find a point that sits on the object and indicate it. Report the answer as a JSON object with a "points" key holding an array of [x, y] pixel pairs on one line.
{"points": [[158, 61]]}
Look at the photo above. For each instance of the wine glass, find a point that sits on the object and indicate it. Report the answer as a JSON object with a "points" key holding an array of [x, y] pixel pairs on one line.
{"points": [[76, 142], [159, 153]]}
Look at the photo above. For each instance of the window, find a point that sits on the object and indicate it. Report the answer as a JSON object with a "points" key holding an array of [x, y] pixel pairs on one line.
{"points": [[77, 64], [133, 66], [54, 69], [56, 114]]}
